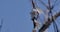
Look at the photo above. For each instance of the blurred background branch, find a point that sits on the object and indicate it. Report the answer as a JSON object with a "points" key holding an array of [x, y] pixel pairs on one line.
{"points": [[1, 24]]}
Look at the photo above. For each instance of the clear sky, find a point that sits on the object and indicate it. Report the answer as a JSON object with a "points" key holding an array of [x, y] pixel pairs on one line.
{"points": [[16, 15]]}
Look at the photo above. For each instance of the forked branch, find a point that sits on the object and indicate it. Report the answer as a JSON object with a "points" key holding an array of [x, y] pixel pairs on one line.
{"points": [[47, 23]]}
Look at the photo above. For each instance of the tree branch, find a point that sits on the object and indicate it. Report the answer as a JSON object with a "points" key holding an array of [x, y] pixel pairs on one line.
{"points": [[44, 4], [54, 4], [33, 4], [47, 24]]}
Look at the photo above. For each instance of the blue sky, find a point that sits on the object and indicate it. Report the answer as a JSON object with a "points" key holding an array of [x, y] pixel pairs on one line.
{"points": [[16, 17]]}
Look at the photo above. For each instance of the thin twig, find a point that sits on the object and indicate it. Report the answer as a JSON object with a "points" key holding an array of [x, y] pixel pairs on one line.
{"points": [[44, 4], [33, 4], [54, 4]]}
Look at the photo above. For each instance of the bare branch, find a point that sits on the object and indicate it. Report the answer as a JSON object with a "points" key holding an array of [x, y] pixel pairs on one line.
{"points": [[54, 4], [55, 26], [57, 14], [33, 4], [49, 5], [47, 23], [45, 26], [44, 4]]}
